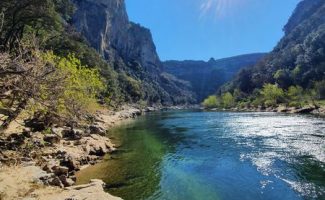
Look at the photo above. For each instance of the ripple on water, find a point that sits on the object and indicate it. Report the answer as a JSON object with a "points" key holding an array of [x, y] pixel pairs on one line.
{"points": [[211, 155], [271, 138]]}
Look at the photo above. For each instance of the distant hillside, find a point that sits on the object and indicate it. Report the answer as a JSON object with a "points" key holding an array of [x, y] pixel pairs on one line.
{"points": [[207, 77], [292, 76], [299, 57]]}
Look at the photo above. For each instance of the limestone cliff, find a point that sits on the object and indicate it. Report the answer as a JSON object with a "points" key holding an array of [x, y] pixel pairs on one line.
{"points": [[129, 48]]}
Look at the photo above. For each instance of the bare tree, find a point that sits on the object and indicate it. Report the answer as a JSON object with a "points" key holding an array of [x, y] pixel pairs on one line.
{"points": [[25, 79]]}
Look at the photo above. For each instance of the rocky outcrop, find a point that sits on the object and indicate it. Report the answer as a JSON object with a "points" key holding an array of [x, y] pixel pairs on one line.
{"points": [[129, 48], [104, 23], [106, 26], [25, 183], [303, 11], [52, 158], [92, 191]]}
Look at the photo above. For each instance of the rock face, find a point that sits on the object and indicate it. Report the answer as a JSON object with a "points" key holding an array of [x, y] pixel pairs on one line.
{"points": [[106, 26], [299, 56], [128, 47], [102, 22], [207, 77], [304, 10]]}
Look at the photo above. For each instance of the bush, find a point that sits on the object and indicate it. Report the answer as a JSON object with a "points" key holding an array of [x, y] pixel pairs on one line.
{"points": [[272, 94], [320, 90], [228, 100], [132, 87], [295, 93], [78, 89], [282, 77], [211, 102], [243, 104], [295, 96], [295, 104]]}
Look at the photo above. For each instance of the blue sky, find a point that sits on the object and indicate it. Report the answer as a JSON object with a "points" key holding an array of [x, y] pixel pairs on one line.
{"points": [[201, 29]]}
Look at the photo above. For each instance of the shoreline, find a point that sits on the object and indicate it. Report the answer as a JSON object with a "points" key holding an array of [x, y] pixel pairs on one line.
{"points": [[312, 110], [48, 171], [43, 166]]}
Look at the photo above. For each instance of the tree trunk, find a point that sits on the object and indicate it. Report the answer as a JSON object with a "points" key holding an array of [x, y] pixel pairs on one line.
{"points": [[13, 115]]}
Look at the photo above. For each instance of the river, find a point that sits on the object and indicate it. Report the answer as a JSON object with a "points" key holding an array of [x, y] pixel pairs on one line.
{"points": [[196, 155]]}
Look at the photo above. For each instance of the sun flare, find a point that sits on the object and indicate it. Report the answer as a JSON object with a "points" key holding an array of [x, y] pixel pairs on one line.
{"points": [[219, 8]]}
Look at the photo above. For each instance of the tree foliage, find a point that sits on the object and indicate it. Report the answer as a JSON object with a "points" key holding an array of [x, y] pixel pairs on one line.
{"points": [[320, 89], [211, 102], [80, 86], [272, 94], [297, 60], [22, 16], [21, 80], [47, 86], [228, 100]]}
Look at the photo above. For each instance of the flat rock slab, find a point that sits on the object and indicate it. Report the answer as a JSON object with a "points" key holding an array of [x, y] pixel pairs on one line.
{"points": [[23, 183], [92, 191]]}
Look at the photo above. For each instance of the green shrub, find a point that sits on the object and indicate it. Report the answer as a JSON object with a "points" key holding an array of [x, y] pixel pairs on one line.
{"points": [[243, 104], [211, 102], [295, 96], [132, 87], [77, 91], [295, 104], [272, 94], [228, 100], [320, 90]]}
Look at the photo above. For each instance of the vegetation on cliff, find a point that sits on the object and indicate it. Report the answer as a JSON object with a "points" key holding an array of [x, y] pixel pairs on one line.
{"points": [[271, 95], [130, 51], [52, 69], [48, 85], [294, 72]]}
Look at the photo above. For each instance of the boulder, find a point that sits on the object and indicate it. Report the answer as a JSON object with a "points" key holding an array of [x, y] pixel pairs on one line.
{"points": [[27, 132], [74, 134], [319, 111], [71, 162], [50, 165], [73, 178], [67, 182], [282, 109], [304, 110], [97, 145], [52, 138], [35, 124], [97, 129], [56, 182], [150, 109], [60, 170], [92, 191], [60, 131], [38, 139]]}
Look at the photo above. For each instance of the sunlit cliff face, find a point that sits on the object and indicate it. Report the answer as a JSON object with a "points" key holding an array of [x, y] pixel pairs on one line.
{"points": [[220, 8]]}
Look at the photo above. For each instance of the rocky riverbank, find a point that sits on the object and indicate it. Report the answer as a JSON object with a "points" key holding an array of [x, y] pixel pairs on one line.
{"points": [[310, 109], [38, 165]]}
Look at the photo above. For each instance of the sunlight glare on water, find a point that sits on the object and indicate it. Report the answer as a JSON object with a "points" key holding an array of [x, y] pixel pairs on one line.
{"points": [[217, 155], [274, 137]]}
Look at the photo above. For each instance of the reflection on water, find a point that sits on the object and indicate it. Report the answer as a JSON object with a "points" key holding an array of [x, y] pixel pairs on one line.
{"points": [[210, 155], [133, 171]]}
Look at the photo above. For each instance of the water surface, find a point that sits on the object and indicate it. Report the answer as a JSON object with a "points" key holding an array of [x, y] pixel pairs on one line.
{"points": [[216, 155]]}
